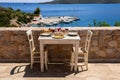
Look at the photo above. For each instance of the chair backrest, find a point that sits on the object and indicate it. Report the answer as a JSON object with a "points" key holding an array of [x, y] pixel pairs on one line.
{"points": [[88, 39], [31, 41]]}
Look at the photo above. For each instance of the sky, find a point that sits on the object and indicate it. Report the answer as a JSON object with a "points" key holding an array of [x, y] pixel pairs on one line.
{"points": [[26, 1]]}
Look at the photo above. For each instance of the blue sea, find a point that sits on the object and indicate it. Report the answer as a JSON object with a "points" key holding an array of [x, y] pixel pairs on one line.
{"points": [[86, 12]]}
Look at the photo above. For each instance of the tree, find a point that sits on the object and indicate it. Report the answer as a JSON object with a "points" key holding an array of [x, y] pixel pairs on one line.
{"points": [[117, 23], [10, 8], [95, 24], [100, 23], [18, 10], [23, 19], [104, 24], [37, 11], [89, 25], [4, 20]]}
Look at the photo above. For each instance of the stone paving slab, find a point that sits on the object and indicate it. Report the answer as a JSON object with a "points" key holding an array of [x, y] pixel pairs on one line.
{"points": [[22, 71]]}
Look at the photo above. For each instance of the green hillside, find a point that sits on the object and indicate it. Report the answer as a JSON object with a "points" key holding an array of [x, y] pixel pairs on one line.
{"points": [[13, 18]]}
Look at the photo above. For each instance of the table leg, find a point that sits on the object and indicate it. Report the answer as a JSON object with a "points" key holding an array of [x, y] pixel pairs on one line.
{"points": [[42, 56], [76, 55]]}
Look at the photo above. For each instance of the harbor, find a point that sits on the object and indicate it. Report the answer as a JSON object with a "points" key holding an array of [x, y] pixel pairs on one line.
{"points": [[51, 21]]}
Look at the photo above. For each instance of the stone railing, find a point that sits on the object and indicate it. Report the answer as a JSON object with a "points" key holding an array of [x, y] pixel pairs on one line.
{"points": [[104, 47]]}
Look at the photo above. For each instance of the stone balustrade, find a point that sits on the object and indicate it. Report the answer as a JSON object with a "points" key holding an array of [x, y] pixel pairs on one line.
{"points": [[104, 47]]}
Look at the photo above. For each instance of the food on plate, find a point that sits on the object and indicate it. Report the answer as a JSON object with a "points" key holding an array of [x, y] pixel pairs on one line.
{"points": [[58, 35]]}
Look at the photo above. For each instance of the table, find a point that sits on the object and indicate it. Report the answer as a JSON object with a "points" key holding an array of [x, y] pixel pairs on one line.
{"points": [[66, 40]]}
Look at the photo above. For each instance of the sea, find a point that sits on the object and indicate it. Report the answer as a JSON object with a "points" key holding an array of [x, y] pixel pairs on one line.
{"points": [[87, 13]]}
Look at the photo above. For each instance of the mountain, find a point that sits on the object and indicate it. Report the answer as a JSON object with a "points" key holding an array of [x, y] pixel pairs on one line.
{"points": [[82, 1]]}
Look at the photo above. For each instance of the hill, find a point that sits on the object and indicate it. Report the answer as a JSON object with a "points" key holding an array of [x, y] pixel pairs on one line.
{"points": [[82, 1], [13, 18]]}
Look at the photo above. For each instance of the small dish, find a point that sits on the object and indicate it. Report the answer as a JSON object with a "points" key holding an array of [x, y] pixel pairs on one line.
{"points": [[72, 33]]}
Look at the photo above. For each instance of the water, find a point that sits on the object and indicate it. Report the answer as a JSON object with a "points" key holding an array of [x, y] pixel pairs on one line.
{"points": [[86, 12]]}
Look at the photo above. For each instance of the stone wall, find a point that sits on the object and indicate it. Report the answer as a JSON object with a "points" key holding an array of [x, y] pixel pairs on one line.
{"points": [[104, 47]]}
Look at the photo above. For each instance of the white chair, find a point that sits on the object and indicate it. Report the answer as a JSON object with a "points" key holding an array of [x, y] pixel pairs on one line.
{"points": [[35, 56], [82, 51]]}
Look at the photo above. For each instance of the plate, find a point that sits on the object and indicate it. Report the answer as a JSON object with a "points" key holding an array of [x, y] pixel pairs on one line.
{"points": [[45, 34], [72, 33], [57, 37]]}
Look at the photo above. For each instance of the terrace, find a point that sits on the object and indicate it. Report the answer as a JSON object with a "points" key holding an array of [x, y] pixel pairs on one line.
{"points": [[104, 52], [22, 71]]}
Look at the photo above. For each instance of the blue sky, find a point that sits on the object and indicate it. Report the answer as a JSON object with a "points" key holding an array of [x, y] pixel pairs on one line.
{"points": [[27, 1]]}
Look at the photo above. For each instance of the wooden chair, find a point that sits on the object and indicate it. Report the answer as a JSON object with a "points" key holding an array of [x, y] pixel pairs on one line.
{"points": [[82, 51], [35, 56]]}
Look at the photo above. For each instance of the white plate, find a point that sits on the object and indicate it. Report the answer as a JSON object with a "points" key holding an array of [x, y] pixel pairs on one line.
{"points": [[72, 33], [45, 34]]}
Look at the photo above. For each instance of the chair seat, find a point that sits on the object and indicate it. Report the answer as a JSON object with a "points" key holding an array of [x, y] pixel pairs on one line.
{"points": [[81, 51]]}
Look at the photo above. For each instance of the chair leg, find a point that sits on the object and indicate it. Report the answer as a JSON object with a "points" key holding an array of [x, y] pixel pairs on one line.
{"points": [[31, 61], [86, 62], [31, 65], [46, 61], [86, 66], [72, 61]]}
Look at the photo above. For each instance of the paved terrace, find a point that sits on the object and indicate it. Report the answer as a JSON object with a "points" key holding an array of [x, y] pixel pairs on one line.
{"points": [[22, 71]]}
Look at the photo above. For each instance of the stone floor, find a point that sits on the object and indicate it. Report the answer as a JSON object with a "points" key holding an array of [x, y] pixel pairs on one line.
{"points": [[22, 71]]}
